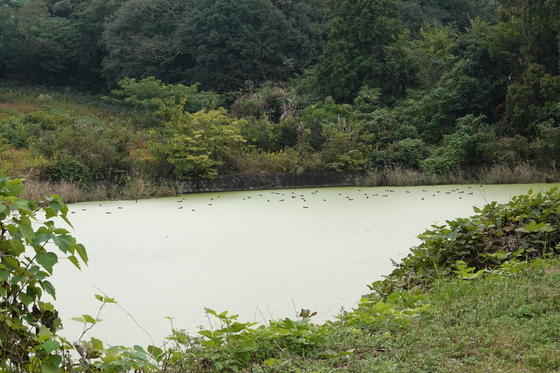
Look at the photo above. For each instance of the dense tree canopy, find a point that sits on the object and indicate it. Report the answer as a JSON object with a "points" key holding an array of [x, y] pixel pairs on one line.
{"points": [[289, 85], [364, 48]]}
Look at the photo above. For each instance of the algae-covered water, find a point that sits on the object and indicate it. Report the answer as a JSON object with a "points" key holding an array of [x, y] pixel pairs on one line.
{"points": [[260, 254]]}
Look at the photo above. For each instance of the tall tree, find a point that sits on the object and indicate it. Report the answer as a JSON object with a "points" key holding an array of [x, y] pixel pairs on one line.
{"points": [[244, 40], [42, 51], [142, 40], [88, 18], [364, 48], [535, 25], [458, 13]]}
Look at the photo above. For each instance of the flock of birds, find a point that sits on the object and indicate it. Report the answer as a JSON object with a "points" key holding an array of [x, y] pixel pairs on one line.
{"points": [[303, 195]]}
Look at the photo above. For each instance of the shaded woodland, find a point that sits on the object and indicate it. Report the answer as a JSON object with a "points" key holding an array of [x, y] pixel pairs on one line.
{"points": [[108, 90]]}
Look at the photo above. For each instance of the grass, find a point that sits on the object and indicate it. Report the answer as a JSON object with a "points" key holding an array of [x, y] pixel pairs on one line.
{"points": [[521, 173], [500, 323], [134, 188]]}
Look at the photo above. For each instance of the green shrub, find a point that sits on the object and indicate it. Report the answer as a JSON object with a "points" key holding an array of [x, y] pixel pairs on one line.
{"points": [[72, 170], [526, 227]]}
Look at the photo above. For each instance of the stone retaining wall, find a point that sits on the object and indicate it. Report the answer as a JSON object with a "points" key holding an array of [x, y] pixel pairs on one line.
{"points": [[272, 181]]}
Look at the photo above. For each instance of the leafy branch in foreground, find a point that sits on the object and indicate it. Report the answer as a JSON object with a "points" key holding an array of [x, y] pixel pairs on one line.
{"points": [[28, 325]]}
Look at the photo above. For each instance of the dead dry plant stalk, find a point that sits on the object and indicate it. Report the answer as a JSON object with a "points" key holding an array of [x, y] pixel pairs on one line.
{"points": [[518, 174], [400, 176]]}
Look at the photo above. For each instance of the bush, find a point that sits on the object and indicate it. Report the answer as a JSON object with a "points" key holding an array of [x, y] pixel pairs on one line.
{"points": [[526, 228], [72, 170]]}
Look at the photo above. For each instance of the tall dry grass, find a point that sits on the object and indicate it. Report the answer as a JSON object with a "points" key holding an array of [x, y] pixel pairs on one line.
{"points": [[522, 173], [137, 188]]}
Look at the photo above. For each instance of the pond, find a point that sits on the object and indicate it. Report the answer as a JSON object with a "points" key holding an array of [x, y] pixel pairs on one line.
{"points": [[260, 254]]}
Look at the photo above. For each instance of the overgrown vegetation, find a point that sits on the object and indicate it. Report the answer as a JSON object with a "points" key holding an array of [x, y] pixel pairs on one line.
{"points": [[479, 293], [440, 91], [407, 92]]}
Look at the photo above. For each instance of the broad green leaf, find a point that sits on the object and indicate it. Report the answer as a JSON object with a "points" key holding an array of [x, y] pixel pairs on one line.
{"points": [[44, 332], [96, 344], [156, 352], [237, 327], [25, 299], [50, 345], [79, 319], [270, 362], [210, 311], [17, 247], [74, 261], [89, 319], [2, 208], [49, 367], [47, 260], [208, 344], [82, 252], [4, 274], [56, 359], [206, 333], [289, 323], [249, 345], [49, 288], [64, 242], [112, 354], [381, 307]]}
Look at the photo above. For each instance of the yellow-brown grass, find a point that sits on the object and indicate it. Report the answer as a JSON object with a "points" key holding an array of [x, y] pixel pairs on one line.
{"points": [[522, 173], [71, 192]]}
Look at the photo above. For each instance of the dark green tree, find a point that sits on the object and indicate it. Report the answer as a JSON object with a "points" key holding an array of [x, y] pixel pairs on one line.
{"points": [[142, 39], [11, 36], [88, 18], [245, 40], [364, 48], [33, 45], [446, 12]]}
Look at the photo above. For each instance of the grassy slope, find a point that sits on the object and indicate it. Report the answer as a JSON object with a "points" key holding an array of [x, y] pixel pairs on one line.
{"points": [[499, 324]]}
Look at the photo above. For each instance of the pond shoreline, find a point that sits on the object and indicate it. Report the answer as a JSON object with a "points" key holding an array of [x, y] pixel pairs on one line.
{"points": [[140, 188]]}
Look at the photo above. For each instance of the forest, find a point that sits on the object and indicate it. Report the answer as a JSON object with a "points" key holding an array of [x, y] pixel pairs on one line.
{"points": [[120, 90]]}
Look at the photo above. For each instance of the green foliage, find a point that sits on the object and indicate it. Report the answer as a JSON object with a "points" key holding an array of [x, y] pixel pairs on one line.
{"points": [[533, 99], [199, 144], [458, 13], [29, 325], [407, 153], [147, 95], [70, 169], [145, 38], [462, 148], [523, 228], [432, 54], [364, 48], [249, 40], [459, 93]]}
